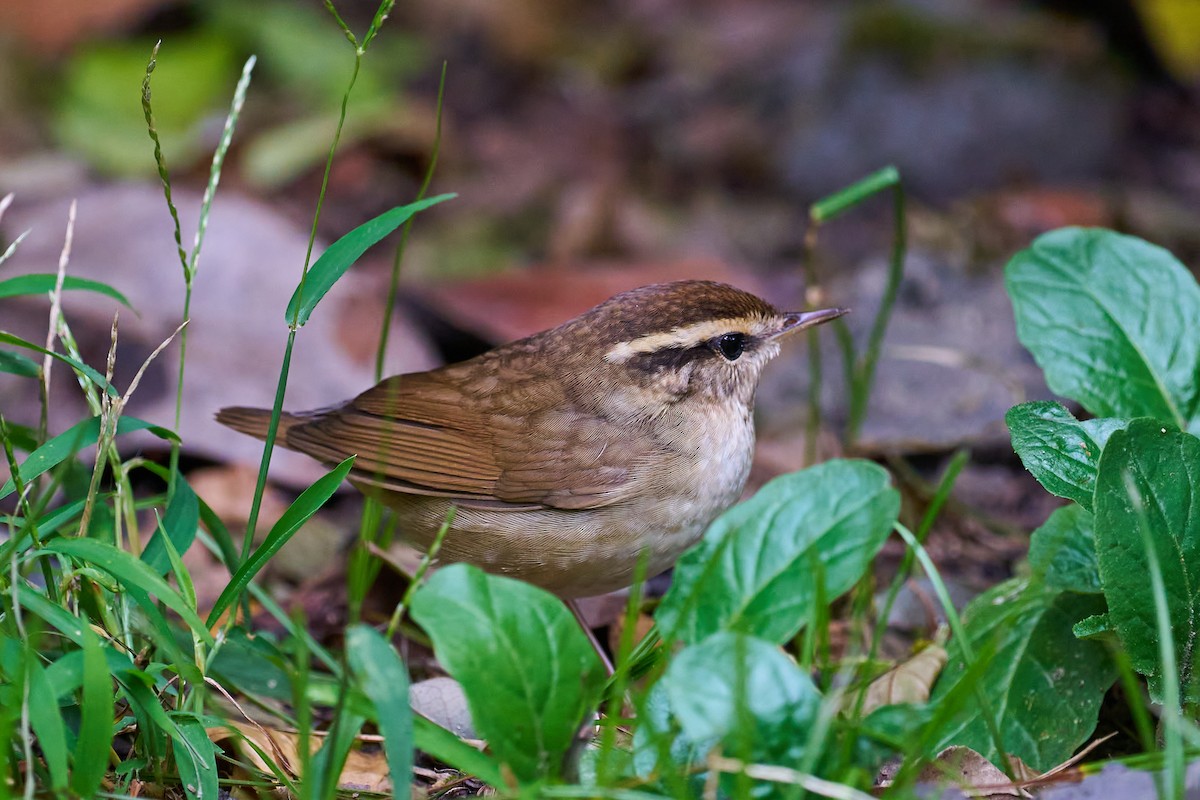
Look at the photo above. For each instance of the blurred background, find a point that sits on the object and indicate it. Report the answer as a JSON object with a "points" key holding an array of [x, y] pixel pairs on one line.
{"points": [[595, 146]]}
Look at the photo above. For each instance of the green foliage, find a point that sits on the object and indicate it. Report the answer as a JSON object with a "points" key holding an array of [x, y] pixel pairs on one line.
{"points": [[1062, 552], [42, 283], [742, 694], [97, 107], [1045, 685], [384, 680], [299, 512], [1108, 318], [528, 671], [1104, 315], [342, 254], [1162, 467], [1060, 451], [758, 566]]}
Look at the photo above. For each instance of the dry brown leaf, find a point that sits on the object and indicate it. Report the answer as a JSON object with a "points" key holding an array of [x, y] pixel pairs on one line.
{"points": [[970, 772], [908, 682], [363, 771]]}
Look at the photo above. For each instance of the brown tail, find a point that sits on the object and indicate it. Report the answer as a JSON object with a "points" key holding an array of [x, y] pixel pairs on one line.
{"points": [[255, 421]]}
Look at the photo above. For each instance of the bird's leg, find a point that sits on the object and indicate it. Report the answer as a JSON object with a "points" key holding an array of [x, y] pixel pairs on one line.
{"points": [[587, 631]]}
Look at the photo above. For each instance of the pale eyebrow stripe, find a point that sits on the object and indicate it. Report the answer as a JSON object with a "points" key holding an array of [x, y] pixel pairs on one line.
{"points": [[683, 337]]}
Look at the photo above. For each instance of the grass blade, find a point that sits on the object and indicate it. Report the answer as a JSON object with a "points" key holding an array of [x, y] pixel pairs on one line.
{"points": [[297, 514], [130, 570], [94, 376], [334, 262], [95, 724], [17, 364], [40, 283], [46, 719], [196, 758], [179, 523], [71, 441]]}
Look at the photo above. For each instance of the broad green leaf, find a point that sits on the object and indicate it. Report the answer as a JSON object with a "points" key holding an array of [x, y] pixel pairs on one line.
{"points": [[334, 262], [180, 522], [71, 441], [1062, 552], [45, 282], [131, 571], [753, 571], [96, 720], [1097, 626], [1059, 450], [17, 364], [1105, 317], [304, 506], [95, 377], [1164, 465], [743, 695], [253, 664], [195, 757], [384, 679], [528, 671], [1045, 685]]}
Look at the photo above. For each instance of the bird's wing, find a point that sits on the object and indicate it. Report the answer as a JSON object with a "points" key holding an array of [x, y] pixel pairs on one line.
{"points": [[422, 434]]}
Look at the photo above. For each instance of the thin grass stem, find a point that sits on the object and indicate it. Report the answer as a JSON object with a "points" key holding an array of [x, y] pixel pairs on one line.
{"points": [[964, 645]]}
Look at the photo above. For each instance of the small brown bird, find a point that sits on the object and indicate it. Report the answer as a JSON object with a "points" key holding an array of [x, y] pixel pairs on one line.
{"points": [[567, 453]]}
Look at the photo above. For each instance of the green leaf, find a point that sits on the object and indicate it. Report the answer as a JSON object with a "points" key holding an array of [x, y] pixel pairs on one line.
{"points": [[94, 376], [744, 694], [304, 506], [753, 571], [1102, 314], [1045, 685], [1062, 552], [132, 571], [45, 717], [95, 723], [135, 683], [1097, 626], [1059, 450], [195, 757], [180, 522], [528, 671], [17, 364], [71, 441], [46, 525], [384, 679], [254, 665], [334, 262], [45, 282], [1164, 465]]}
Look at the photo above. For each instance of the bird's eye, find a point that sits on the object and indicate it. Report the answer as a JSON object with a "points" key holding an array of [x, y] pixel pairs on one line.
{"points": [[730, 345]]}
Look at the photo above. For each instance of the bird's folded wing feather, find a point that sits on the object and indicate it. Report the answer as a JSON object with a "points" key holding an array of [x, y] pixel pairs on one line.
{"points": [[421, 435]]}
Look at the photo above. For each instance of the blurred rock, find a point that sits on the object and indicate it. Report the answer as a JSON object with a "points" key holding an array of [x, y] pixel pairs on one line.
{"points": [[441, 701], [249, 266], [950, 368]]}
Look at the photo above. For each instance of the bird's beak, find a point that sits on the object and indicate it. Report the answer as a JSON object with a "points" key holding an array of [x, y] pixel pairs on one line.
{"points": [[800, 320]]}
